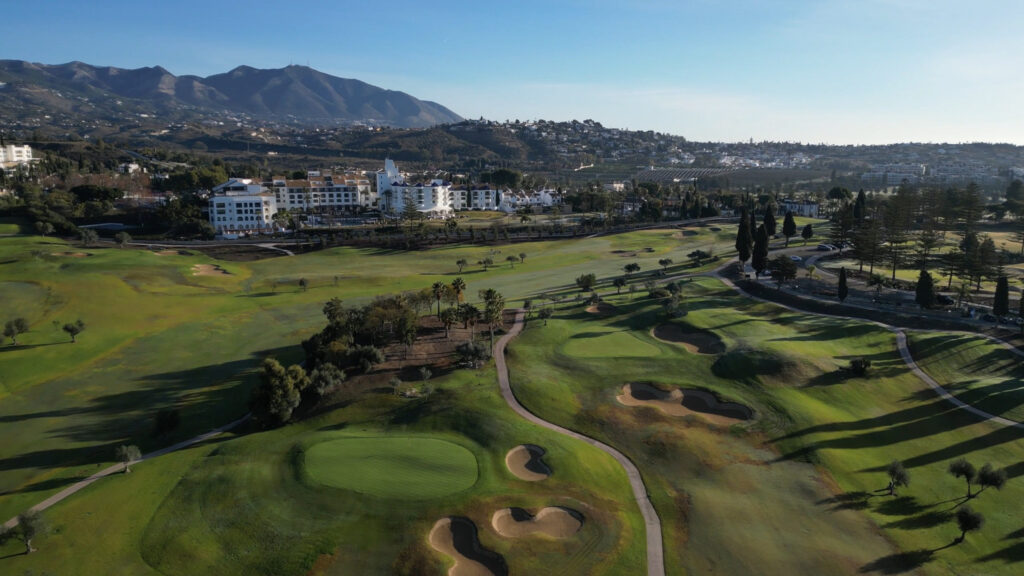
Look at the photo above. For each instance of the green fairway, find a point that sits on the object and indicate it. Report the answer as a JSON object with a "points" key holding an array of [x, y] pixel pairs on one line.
{"points": [[403, 468], [608, 344]]}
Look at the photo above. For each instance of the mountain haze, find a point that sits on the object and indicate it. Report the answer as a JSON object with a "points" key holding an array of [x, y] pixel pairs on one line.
{"points": [[294, 94]]}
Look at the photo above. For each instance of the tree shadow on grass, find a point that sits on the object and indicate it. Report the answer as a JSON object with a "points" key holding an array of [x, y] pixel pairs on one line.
{"points": [[1009, 555], [900, 506], [898, 563], [847, 501], [929, 519]]}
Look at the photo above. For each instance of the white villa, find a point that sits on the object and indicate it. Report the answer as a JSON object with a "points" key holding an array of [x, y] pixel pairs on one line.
{"points": [[433, 199], [240, 207]]}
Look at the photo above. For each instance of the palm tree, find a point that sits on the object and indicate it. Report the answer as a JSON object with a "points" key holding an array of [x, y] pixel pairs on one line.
{"points": [[437, 289], [448, 317], [458, 285]]}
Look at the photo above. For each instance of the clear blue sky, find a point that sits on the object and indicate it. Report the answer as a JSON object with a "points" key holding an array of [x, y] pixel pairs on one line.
{"points": [[836, 71]]}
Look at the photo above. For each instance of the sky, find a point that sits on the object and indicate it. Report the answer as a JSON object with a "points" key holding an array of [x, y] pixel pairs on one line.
{"points": [[825, 71]]}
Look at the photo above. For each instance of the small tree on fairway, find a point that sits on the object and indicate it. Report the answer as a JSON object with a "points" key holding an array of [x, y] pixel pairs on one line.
{"points": [[697, 256], [486, 262], [788, 227], [807, 233], [665, 263], [961, 468], [522, 257], [991, 477], [619, 284], [30, 524], [14, 327], [74, 329], [461, 263], [303, 284], [127, 455], [123, 238], [1001, 302], [967, 520], [586, 282], [512, 260], [783, 268], [898, 476], [88, 236], [925, 293], [844, 290], [631, 268], [544, 314]]}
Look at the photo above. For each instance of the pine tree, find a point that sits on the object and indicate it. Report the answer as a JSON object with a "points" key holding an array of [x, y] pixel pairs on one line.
{"points": [[844, 291], [1001, 302], [925, 294]]}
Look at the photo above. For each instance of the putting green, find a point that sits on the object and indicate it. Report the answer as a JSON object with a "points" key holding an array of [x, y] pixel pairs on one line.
{"points": [[404, 468], [608, 345]]}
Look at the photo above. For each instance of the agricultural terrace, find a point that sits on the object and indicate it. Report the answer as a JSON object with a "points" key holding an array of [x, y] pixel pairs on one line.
{"points": [[799, 487]]}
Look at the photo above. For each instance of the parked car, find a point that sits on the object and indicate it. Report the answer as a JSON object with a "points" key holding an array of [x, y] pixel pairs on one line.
{"points": [[825, 247], [796, 258]]}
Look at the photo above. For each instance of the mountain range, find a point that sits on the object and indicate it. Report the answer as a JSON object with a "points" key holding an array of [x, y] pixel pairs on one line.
{"points": [[295, 94]]}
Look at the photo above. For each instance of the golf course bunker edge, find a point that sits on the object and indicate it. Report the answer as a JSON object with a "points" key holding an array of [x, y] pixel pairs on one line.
{"points": [[553, 521], [695, 340], [456, 536], [683, 402], [524, 462]]}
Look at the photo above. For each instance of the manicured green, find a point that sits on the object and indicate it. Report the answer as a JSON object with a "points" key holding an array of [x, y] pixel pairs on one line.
{"points": [[403, 468]]}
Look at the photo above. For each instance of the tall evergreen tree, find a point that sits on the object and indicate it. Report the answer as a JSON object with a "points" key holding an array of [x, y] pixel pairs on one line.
{"points": [[769, 221], [925, 293], [844, 290], [744, 238], [759, 259], [1001, 302], [788, 227], [860, 208]]}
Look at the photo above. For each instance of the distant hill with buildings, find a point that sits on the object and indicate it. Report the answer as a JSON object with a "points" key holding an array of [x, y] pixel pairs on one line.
{"points": [[295, 95]]}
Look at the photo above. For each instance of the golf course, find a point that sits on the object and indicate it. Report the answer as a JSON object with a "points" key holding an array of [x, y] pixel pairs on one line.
{"points": [[760, 449]]}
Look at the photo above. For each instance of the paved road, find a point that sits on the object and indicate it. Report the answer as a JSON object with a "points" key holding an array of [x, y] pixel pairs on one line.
{"points": [[117, 468], [655, 550]]}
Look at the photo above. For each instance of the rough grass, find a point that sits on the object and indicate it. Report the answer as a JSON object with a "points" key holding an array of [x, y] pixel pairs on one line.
{"points": [[401, 468]]}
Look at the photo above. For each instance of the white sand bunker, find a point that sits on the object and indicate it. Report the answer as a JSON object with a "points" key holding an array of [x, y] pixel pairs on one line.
{"points": [[524, 462], [554, 521], [166, 253], [679, 402], [695, 341], [456, 537], [208, 270], [602, 308]]}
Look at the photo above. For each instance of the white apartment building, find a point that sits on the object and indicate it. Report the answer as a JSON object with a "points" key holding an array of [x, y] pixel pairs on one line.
{"points": [[799, 208], [476, 199], [433, 199], [11, 155], [240, 207], [324, 192]]}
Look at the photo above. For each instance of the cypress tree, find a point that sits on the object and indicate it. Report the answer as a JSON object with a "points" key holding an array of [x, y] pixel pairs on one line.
{"points": [[788, 227], [744, 238], [1001, 303], [760, 255], [844, 291], [925, 294], [769, 222]]}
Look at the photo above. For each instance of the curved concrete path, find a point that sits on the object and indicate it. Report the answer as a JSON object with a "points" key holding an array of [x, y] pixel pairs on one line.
{"points": [[117, 468], [655, 550], [901, 345]]}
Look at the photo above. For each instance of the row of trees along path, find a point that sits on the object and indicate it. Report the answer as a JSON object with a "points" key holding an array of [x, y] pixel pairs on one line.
{"points": [[652, 524]]}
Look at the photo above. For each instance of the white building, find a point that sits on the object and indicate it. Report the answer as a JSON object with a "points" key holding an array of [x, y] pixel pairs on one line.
{"points": [[799, 208], [240, 207], [474, 198], [11, 155], [433, 199], [324, 192]]}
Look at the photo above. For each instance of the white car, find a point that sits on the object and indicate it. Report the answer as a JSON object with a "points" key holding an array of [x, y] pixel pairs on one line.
{"points": [[796, 258]]}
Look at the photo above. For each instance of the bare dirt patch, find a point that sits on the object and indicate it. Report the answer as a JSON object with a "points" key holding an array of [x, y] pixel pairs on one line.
{"points": [[695, 341], [602, 308], [456, 537], [680, 402], [72, 254], [208, 270], [524, 462], [554, 521]]}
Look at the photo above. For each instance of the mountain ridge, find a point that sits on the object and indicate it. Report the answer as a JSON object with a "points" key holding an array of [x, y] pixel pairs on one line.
{"points": [[297, 94]]}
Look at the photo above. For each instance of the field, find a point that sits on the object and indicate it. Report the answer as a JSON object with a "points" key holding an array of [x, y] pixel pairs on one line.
{"points": [[796, 489]]}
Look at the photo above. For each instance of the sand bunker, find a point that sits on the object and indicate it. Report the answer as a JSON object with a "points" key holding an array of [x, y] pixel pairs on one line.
{"points": [[556, 522], [456, 537], [695, 341], [208, 270], [685, 233], [678, 402], [715, 229], [524, 462], [602, 308], [167, 253], [72, 254]]}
